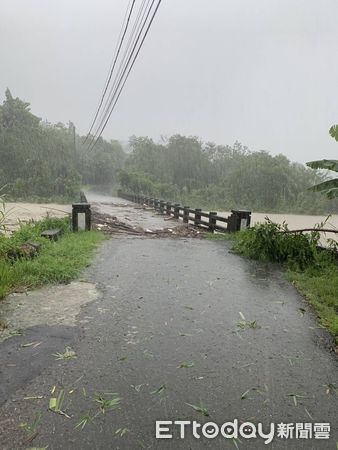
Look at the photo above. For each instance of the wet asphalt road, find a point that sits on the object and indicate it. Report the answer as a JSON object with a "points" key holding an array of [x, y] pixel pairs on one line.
{"points": [[162, 303]]}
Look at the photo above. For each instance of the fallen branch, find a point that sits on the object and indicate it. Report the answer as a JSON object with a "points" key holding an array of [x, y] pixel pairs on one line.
{"points": [[322, 230], [111, 225]]}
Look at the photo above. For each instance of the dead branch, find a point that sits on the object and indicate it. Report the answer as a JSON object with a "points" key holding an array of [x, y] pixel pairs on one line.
{"points": [[321, 230]]}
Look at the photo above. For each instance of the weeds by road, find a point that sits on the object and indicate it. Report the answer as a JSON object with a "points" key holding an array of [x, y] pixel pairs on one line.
{"points": [[319, 285], [56, 262]]}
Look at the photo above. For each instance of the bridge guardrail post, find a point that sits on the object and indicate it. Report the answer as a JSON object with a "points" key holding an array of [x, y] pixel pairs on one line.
{"points": [[186, 214], [78, 210], [212, 221], [239, 220], [168, 208], [198, 217], [177, 211]]}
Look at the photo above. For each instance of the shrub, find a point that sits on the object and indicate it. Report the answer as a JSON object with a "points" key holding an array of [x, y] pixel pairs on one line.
{"points": [[270, 241], [31, 231]]}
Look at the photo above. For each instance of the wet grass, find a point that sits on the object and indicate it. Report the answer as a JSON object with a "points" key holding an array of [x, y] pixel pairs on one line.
{"points": [[160, 390], [31, 428], [57, 262], [186, 365], [83, 421], [202, 409], [319, 285], [57, 404], [244, 324], [67, 354], [107, 401]]}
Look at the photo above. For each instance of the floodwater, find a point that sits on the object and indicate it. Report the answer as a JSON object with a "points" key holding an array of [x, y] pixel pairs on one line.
{"points": [[17, 212], [24, 212], [298, 222]]}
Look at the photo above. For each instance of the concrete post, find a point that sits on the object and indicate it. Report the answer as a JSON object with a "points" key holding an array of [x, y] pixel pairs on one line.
{"points": [[198, 216], [81, 208], [212, 221], [186, 214]]}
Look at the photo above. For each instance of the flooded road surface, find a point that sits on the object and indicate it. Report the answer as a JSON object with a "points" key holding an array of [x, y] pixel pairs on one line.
{"points": [[126, 211], [177, 330]]}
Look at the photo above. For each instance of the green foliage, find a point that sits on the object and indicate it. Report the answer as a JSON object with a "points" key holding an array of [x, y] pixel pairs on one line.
{"points": [[6, 278], [334, 132], [187, 171], [57, 262], [320, 286], [42, 161], [36, 159], [270, 241], [328, 187], [31, 231], [328, 164]]}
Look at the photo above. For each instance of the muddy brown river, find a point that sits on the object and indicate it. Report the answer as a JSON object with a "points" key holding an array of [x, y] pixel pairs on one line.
{"points": [[28, 211]]}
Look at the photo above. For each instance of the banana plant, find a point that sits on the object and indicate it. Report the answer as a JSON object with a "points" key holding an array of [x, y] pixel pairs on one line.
{"points": [[328, 187]]}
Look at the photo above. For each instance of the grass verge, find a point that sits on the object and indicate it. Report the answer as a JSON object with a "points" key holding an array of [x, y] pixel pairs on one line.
{"points": [[320, 288], [57, 262]]}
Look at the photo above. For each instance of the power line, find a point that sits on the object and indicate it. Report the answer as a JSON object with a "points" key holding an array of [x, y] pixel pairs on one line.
{"points": [[123, 67], [112, 67], [130, 43], [101, 128], [117, 88]]}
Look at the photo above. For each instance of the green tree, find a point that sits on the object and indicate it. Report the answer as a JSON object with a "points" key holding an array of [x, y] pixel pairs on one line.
{"points": [[328, 187]]}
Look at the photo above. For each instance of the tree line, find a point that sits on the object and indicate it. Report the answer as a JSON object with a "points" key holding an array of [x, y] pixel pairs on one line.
{"points": [[191, 172], [44, 161]]}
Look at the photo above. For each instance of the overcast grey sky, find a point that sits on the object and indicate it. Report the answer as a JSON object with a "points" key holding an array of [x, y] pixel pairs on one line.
{"points": [[263, 72]]}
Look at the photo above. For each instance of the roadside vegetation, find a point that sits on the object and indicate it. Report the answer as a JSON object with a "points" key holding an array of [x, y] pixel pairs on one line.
{"points": [[314, 272], [44, 162], [55, 262], [221, 177]]}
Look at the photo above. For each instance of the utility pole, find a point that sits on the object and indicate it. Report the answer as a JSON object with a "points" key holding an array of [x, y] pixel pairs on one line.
{"points": [[72, 129]]}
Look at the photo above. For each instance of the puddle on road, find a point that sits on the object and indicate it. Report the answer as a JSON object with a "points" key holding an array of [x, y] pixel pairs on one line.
{"points": [[52, 305]]}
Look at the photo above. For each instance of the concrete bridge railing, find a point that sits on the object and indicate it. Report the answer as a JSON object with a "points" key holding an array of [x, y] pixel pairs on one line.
{"points": [[238, 220]]}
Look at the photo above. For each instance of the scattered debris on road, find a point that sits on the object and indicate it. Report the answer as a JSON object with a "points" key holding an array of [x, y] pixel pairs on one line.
{"points": [[111, 225]]}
